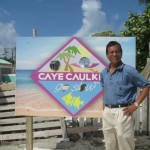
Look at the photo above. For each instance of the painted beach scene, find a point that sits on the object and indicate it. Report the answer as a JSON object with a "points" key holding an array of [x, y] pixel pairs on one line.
{"points": [[33, 100], [60, 76]]}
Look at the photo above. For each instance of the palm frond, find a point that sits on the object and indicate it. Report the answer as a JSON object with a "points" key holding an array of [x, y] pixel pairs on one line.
{"points": [[72, 49]]}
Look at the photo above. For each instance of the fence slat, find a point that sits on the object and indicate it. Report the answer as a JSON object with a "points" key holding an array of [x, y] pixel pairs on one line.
{"points": [[7, 93], [7, 107], [22, 120], [35, 126], [46, 133], [7, 100], [83, 129]]}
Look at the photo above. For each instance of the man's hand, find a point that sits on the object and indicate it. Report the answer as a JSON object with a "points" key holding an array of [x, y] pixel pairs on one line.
{"points": [[128, 111]]}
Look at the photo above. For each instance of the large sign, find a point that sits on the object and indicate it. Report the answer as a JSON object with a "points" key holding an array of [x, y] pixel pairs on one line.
{"points": [[60, 76], [71, 76]]}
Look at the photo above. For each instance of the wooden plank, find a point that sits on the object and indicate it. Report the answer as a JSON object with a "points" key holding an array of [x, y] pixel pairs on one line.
{"points": [[7, 114], [63, 127], [39, 119], [35, 126], [88, 122], [7, 100], [7, 107], [83, 129], [7, 86], [81, 124], [12, 121], [145, 116], [145, 109], [148, 97], [95, 123], [7, 93], [23, 120], [137, 121], [149, 116], [74, 121], [46, 133], [29, 133]]}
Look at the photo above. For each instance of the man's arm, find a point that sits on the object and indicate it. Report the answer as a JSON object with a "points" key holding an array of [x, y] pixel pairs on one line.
{"points": [[130, 109]]}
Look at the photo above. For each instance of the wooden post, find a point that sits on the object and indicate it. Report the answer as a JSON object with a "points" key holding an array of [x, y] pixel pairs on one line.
{"points": [[145, 108], [81, 124], [0, 75], [95, 123], [29, 133], [137, 124], [29, 121], [88, 123], [148, 99], [64, 129]]}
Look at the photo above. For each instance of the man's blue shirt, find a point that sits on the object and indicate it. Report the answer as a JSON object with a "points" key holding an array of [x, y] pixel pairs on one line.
{"points": [[120, 87]]}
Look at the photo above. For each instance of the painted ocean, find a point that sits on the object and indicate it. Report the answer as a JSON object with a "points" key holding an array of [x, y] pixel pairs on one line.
{"points": [[23, 79]]}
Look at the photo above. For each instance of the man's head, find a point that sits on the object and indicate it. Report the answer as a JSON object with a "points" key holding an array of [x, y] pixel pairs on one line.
{"points": [[113, 43], [114, 52]]}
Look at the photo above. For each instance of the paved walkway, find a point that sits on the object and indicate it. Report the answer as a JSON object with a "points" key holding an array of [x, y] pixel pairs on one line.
{"points": [[142, 143]]}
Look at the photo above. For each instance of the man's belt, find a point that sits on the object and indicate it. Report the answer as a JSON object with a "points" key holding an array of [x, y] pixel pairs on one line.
{"points": [[118, 106]]}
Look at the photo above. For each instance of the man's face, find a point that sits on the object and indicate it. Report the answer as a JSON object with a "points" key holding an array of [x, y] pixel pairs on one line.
{"points": [[114, 54]]}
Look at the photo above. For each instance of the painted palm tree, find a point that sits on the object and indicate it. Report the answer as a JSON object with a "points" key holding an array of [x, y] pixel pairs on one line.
{"points": [[68, 53], [70, 50], [64, 56]]}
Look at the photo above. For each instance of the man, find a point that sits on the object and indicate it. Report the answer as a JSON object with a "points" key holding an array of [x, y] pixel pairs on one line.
{"points": [[120, 82]]}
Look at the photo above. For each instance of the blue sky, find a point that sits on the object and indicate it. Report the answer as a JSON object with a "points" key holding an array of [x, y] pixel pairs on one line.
{"points": [[62, 17]]}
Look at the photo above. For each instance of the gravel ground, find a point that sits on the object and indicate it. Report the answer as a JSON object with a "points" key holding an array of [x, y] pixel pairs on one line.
{"points": [[142, 143]]}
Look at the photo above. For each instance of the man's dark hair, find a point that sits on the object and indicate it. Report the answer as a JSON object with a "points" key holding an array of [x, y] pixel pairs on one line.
{"points": [[112, 43]]}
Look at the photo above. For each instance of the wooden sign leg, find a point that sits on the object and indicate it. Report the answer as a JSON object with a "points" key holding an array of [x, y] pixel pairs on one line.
{"points": [[29, 133], [64, 129]]}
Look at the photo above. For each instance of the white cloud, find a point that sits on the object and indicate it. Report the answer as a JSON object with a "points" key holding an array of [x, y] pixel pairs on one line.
{"points": [[7, 35], [94, 19]]}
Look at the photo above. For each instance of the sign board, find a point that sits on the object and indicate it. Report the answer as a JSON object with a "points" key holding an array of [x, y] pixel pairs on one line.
{"points": [[60, 76]]}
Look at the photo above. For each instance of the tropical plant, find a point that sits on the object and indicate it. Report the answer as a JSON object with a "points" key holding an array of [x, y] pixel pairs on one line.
{"points": [[105, 33], [139, 27], [144, 1]]}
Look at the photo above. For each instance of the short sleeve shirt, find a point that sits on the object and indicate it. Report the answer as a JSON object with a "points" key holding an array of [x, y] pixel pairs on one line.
{"points": [[121, 86]]}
